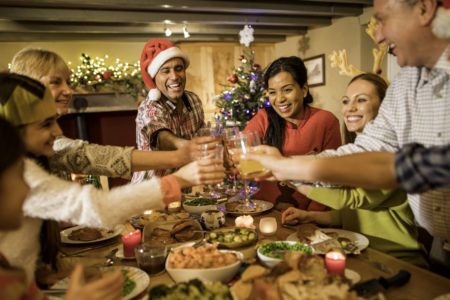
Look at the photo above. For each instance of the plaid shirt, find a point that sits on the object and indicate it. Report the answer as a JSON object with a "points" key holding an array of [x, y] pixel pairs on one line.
{"points": [[154, 116], [419, 169], [416, 109]]}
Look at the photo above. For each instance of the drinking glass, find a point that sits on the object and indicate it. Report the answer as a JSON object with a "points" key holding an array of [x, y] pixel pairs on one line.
{"points": [[151, 259], [239, 146]]}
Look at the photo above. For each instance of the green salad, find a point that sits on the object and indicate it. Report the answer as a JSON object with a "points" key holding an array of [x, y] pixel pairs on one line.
{"points": [[200, 202], [278, 249], [194, 289]]}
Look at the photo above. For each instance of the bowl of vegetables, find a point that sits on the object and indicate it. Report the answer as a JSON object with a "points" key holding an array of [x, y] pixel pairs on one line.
{"points": [[272, 253], [232, 237], [199, 205]]}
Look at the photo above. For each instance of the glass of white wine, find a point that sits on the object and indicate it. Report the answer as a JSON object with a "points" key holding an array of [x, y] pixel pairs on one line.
{"points": [[239, 146]]}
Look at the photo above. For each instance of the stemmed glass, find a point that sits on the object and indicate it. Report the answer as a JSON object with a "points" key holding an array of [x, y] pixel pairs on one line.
{"points": [[238, 146], [212, 151]]}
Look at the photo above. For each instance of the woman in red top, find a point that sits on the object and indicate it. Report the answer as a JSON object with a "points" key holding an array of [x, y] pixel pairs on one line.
{"points": [[292, 126]]}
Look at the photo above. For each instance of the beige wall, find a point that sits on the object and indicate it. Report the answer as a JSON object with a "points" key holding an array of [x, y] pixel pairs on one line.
{"points": [[346, 33], [211, 63]]}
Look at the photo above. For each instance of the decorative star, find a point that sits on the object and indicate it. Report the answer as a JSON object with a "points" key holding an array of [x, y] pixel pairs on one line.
{"points": [[246, 35]]}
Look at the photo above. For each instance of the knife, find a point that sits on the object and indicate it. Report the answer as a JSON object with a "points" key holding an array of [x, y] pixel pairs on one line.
{"points": [[374, 286]]}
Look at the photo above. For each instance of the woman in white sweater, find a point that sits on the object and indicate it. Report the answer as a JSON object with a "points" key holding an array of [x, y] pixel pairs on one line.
{"points": [[29, 106]]}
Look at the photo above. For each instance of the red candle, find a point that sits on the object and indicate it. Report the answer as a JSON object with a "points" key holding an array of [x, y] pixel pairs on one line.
{"points": [[335, 263], [130, 241]]}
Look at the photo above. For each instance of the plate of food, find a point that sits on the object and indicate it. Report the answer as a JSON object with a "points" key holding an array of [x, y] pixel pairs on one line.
{"points": [[240, 207], [324, 239], [300, 276], [232, 237], [173, 233], [84, 235], [155, 216], [135, 280]]}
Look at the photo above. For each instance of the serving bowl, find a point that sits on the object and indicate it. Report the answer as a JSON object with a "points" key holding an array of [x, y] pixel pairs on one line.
{"points": [[223, 274], [195, 206], [277, 250]]}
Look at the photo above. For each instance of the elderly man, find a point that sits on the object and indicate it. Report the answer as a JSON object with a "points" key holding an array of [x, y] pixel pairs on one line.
{"points": [[170, 116]]}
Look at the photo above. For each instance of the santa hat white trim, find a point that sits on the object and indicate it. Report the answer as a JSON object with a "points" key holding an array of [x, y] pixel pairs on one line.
{"points": [[441, 23], [164, 56]]}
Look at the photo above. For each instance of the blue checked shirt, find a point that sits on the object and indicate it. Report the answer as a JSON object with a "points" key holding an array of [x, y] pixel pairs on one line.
{"points": [[420, 169], [416, 109]]}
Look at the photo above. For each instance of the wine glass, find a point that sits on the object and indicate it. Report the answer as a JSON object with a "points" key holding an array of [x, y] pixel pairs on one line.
{"points": [[239, 146]]}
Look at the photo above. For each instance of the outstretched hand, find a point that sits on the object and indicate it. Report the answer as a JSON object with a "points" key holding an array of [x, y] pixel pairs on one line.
{"points": [[195, 147], [270, 158], [204, 171], [108, 287]]}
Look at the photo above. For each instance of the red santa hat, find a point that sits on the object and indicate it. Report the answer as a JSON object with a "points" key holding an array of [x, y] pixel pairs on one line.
{"points": [[156, 53], [441, 22]]}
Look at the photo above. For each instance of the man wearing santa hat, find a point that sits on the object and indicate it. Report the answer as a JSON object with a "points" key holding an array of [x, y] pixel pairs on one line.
{"points": [[170, 116]]}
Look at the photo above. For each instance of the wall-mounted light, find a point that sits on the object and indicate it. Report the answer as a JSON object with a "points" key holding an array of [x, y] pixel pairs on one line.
{"points": [[186, 32], [167, 31]]}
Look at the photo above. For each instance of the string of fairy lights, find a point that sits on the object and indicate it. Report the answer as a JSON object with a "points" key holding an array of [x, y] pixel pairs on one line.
{"points": [[95, 75]]}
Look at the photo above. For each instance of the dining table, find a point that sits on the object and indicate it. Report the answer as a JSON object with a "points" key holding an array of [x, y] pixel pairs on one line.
{"points": [[369, 264]]}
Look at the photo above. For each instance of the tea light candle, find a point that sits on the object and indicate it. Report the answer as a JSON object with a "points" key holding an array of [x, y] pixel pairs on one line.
{"points": [[147, 212], [244, 221], [130, 241], [268, 225], [174, 207], [335, 262]]}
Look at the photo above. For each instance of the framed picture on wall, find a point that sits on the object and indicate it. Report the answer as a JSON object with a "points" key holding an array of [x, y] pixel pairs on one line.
{"points": [[316, 70]]}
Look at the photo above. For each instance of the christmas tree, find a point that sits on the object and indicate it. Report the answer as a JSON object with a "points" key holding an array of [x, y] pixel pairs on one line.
{"points": [[241, 99]]}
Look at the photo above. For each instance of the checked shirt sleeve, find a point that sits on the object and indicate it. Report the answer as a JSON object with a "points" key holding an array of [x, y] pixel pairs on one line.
{"points": [[419, 169]]}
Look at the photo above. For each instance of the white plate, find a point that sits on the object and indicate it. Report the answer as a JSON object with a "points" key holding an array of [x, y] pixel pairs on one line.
{"points": [[119, 254], [358, 239], [118, 229], [141, 279]]}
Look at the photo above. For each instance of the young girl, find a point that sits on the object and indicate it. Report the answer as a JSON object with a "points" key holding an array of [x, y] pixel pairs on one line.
{"points": [[30, 107], [13, 191], [292, 125]]}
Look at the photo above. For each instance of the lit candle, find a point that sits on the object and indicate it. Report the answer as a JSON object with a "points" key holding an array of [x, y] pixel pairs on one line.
{"points": [[268, 225], [244, 221], [130, 241], [174, 207], [335, 262]]}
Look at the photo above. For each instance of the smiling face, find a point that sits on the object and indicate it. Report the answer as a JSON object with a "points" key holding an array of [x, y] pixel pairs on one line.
{"points": [[171, 79], [359, 105], [405, 29], [286, 96], [13, 191], [39, 136], [58, 82]]}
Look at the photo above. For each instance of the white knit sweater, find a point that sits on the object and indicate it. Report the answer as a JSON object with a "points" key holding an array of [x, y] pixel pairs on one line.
{"points": [[57, 199]]}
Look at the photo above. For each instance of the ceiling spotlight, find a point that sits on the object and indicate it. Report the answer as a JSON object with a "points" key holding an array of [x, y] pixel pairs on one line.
{"points": [[167, 31], [186, 32]]}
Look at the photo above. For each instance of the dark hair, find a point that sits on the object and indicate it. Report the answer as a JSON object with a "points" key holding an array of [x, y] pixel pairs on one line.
{"points": [[293, 65], [380, 87], [12, 147]]}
